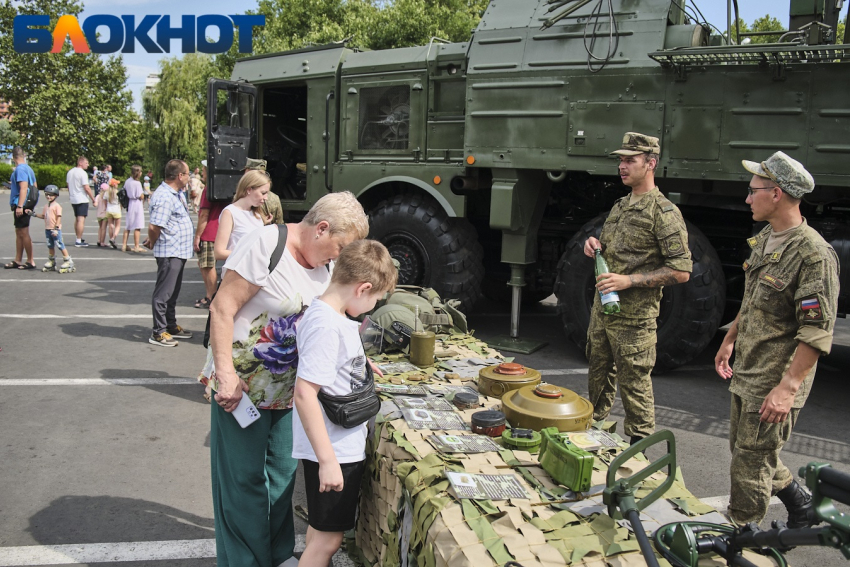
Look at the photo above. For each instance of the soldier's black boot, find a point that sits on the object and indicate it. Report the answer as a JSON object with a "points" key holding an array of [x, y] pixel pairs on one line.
{"points": [[798, 502]]}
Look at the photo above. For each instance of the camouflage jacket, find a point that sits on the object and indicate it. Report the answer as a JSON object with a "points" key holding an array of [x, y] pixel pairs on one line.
{"points": [[790, 295], [641, 238]]}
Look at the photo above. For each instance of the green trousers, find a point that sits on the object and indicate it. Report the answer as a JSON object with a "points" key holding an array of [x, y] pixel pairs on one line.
{"points": [[621, 352], [253, 478], [757, 472]]}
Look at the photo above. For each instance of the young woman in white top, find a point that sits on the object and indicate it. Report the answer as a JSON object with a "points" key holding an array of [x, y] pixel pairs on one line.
{"points": [[244, 215]]}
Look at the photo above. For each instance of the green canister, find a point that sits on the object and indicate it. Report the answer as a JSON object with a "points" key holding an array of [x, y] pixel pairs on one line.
{"points": [[522, 439], [422, 348]]}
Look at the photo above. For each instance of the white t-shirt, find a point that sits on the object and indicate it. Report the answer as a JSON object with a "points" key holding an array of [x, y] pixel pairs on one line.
{"points": [[331, 355], [264, 346], [76, 179]]}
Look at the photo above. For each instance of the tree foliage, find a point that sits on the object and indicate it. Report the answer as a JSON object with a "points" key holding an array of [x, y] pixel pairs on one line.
{"points": [[175, 111], [65, 104], [8, 138]]}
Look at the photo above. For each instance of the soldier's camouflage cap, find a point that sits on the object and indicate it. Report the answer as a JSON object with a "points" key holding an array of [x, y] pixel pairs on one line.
{"points": [[788, 173], [635, 143], [258, 164]]}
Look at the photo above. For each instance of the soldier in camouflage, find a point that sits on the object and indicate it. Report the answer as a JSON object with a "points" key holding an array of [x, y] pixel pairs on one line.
{"points": [[645, 242], [785, 324]]}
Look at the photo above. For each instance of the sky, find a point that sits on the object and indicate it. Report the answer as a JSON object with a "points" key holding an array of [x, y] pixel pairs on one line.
{"points": [[141, 64]]}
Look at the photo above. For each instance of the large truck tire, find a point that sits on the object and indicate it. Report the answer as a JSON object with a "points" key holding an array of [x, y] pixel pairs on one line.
{"points": [[689, 313], [433, 249]]}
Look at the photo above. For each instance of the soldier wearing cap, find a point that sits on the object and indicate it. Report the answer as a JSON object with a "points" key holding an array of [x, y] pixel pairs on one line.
{"points": [[785, 324], [272, 209], [645, 242]]}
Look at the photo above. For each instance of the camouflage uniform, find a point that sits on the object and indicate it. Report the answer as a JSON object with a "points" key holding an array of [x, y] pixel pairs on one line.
{"points": [[638, 238], [791, 296], [273, 208]]}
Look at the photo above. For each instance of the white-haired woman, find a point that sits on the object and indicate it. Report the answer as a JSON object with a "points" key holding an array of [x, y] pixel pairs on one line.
{"points": [[253, 321]]}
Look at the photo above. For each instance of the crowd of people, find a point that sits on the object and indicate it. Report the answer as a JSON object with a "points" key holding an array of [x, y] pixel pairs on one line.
{"points": [[280, 336]]}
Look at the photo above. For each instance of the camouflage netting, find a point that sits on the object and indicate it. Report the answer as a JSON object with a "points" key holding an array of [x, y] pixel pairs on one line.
{"points": [[410, 517]]}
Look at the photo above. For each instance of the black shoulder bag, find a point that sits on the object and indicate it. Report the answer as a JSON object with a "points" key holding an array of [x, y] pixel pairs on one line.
{"points": [[273, 262], [353, 409]]}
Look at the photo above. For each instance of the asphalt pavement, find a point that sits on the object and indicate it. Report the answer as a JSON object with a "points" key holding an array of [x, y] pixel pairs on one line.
{"points": [[104, 455]]}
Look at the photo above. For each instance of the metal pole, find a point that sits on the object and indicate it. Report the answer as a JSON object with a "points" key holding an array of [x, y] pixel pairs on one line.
{"points": [[728, 22], [517, 282]]}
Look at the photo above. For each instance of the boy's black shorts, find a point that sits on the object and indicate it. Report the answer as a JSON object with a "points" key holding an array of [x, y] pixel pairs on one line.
{"points": [[333, 511]]}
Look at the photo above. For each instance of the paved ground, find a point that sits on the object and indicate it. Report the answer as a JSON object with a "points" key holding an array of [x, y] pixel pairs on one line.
{"points": [[105, 437]]}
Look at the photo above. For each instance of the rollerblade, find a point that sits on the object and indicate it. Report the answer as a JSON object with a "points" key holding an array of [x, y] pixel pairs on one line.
{"points": [[67, 267], [50, 265]]}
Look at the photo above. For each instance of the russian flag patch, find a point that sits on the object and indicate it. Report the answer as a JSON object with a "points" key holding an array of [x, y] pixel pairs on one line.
{"points": [[812, 303]]}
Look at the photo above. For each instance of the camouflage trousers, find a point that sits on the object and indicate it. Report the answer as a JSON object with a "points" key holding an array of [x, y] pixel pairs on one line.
{"points": [[622, 351], [756, 471]]}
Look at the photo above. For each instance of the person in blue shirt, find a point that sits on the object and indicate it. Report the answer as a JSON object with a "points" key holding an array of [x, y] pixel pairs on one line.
{"points": [[23, 177]]}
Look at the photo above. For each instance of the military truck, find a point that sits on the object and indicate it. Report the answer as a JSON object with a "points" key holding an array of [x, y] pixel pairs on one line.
{"points": [[484, 164]]}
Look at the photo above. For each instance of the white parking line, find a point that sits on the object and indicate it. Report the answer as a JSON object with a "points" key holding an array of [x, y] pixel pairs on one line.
{"points": [[93, 316], [126, 551], [66, 280], [97, 381], [562, 371]]}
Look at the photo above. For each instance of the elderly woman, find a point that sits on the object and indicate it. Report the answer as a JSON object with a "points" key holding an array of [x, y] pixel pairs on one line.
{"points": [[253, 321]]}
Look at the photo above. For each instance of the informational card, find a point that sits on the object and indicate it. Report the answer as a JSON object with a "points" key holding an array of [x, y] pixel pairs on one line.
{"points": [[593, 440], [463, 443], [399, 367], [445, 389], [439, 404], [401, 389], [486, 486], [429, 419]]}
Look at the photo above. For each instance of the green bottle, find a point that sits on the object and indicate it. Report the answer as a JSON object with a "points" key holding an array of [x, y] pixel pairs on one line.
{"points": [[610, 301]]}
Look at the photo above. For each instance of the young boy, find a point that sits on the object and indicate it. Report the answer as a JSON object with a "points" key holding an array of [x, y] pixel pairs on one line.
{"points": [[331, 358], [52, 215]]}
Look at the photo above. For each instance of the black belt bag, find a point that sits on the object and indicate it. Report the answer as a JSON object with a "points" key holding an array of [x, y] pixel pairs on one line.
{"points": [[353, 409]]}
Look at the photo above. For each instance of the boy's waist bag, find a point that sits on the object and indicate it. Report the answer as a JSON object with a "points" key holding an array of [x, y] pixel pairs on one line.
{"points": [[353, 409]]}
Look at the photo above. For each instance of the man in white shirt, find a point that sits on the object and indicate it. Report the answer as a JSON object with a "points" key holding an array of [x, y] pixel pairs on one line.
{"points": [[80, 193]]}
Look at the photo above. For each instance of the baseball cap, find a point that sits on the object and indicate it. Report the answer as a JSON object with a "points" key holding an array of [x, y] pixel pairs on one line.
{"points": [[788, 173], [635, 143]]}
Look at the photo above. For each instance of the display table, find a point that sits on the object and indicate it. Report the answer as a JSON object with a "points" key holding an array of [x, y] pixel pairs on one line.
{"points": [[411, 516]]}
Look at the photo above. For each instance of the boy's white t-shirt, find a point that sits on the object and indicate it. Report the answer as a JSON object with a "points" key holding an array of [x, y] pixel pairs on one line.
{"points": [[331, 355], [264, 329]]}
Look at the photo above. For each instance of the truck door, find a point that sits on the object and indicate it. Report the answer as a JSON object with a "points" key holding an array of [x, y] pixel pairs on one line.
{"points": [[231, 135]]}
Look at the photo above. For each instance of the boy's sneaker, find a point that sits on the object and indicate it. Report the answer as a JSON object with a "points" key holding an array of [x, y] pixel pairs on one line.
{"points": [[162, 339], [179, 332], [81, 244]]}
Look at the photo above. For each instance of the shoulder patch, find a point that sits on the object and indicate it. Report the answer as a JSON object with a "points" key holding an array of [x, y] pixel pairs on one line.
{"points": [[752, 241], [746, 266], [810, 306]]}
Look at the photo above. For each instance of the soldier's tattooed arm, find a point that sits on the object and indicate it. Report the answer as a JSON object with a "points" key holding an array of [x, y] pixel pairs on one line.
{"points": [[660, 277]]}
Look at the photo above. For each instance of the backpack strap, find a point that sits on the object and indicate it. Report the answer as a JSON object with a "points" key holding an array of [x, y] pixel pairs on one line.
{"points": [[278, 250]]}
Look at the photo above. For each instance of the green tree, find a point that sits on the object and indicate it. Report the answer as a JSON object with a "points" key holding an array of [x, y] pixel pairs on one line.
{"points": [[765, 24], [839, 34], [8, 138], [65, 104], [175, 111]]}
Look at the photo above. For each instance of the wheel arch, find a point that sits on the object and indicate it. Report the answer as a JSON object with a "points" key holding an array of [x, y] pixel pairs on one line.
{"points": [[382, 188]]}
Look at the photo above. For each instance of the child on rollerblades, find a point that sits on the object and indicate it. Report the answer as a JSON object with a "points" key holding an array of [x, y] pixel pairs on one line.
{"points": [[52, 215]]}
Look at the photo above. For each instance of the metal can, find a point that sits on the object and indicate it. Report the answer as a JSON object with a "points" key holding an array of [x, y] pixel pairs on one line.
{"points": [[496, 381], [488, 422], [465, 400]]}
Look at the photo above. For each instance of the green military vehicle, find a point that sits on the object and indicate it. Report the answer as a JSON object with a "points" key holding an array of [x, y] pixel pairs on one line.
{"points": [[486, 162]]}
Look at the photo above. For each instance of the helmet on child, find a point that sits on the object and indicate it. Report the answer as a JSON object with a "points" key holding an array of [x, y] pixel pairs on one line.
{"points": [[51, 190]]}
